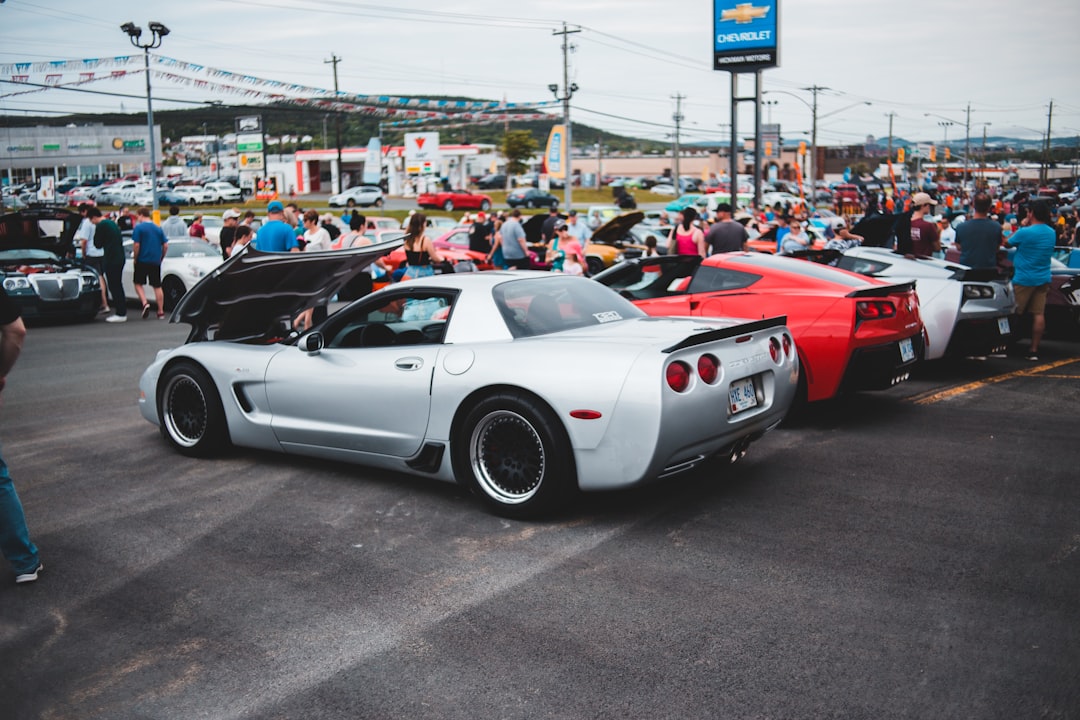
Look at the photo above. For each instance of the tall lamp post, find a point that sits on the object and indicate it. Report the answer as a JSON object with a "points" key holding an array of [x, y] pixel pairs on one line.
{"points": [[134, 33]]}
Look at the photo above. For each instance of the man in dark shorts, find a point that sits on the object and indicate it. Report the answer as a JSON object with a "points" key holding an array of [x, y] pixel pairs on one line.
{"points": [[107, 237], [1034, 243], [149, 250], [726, 235]]}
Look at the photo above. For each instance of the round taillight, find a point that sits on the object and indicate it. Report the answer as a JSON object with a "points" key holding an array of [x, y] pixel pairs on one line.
{"points": [[774, 349], [678, 376], [708, 368], [787, 345]]}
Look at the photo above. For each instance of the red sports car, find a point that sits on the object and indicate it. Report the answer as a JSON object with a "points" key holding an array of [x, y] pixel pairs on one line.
{"points": [[454, 200], [852, 332]]}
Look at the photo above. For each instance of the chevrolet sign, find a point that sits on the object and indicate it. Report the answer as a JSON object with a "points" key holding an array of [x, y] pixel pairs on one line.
{"points": [[744, 35]]}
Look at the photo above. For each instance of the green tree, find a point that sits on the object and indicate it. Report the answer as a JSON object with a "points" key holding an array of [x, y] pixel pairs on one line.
{"points": [[517, 147]]}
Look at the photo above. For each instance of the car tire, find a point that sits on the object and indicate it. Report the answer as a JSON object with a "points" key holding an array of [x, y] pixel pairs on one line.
{"points": [[173, 289], [448, 206], [514, 455], [379, 203], [594, 264], [190, 411], [485, 205]]}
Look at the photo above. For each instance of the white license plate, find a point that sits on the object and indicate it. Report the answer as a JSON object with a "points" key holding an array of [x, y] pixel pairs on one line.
{"points": [[1003, 325], [907, 350], [742, 395]]}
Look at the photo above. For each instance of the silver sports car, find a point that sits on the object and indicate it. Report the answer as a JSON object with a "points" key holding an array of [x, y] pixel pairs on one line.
{"points": [[965, 311], [523, 386]]}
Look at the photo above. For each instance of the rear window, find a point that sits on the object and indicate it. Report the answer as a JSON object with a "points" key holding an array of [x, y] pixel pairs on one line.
{"points": [[803, 267], [540, 306]]}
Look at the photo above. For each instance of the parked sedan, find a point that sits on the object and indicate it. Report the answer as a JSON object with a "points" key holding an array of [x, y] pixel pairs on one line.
{"points": [[362, 195], [195, 194], [852, 332], [222, 192], [531, 198], [186, 263], [647, 399], [450, 200]]}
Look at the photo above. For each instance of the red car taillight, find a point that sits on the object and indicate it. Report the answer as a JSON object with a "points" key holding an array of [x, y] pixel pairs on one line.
{"points": [[678, 376], [708, 368], [874, 309], [774, 350], [787, 345]]}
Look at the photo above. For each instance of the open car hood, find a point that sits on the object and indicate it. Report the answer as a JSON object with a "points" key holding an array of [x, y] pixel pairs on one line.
{"points": [[255, 295], [40, 228], [616, 228], [534, 225]]}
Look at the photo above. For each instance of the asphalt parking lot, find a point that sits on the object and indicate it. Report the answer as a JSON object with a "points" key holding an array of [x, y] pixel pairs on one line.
{"points": [[913, 553]]}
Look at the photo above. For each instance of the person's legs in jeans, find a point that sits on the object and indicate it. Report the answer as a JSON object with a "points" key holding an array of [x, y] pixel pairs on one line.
{"points": [[14, 537]]}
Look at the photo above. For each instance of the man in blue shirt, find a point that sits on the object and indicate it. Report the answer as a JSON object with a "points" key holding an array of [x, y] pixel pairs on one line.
{"points": [[149, 250], [1034, 243], [276, 235]]}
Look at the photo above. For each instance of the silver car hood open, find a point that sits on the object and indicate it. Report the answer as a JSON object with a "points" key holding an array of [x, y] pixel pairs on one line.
{"points": [[255, 295]]}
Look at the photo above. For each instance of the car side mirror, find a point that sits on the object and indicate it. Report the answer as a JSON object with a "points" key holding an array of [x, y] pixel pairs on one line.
{"points": [[313, 343]]}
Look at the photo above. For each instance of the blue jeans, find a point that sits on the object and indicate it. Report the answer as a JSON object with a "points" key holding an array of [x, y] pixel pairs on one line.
{"points": [[14, 537]]}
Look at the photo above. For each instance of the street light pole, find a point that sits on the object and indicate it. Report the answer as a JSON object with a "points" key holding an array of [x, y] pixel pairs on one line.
{"points": [[134, 32]]}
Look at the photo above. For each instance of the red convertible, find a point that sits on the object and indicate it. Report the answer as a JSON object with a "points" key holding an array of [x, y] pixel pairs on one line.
{"points": [[454, 200], [852, 332]]}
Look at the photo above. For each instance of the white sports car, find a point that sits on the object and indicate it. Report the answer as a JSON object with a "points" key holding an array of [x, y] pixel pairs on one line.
{"points": [[439, 377], [186, 263], [966, 312]]}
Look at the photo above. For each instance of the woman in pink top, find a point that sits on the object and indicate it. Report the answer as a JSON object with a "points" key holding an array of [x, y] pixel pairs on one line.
{"points": [[685, 237]]}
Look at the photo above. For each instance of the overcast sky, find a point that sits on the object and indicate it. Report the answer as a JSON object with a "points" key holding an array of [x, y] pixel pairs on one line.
{"points": [[1007, 59]]}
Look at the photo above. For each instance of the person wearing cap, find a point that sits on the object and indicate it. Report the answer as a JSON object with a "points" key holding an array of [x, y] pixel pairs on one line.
{"points": [[480, 234], [565, 250], [276, 235], [578, 230], [174, 226], [922, 239], [229, 220], [726, 235]]}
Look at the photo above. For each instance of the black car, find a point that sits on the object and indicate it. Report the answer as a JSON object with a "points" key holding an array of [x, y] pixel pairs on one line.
{"points": [[531, 198], [37, 263], [491, 182]]}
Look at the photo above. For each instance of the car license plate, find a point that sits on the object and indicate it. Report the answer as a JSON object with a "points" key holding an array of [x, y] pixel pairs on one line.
{"points": [[1003, 325], [742, 395], [907, 350]]}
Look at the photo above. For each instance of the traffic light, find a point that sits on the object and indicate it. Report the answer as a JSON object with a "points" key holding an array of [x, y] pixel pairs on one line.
{"points": [[933, 153], [900, 155], [802, 148], [947, 154], [768, 148]]}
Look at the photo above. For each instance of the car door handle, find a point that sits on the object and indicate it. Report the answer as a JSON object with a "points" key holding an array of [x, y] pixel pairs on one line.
{"points": [[409, 363]]}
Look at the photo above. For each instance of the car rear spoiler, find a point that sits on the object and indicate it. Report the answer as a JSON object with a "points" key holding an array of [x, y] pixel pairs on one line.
{"points": [[708, 336], [882, 290]]}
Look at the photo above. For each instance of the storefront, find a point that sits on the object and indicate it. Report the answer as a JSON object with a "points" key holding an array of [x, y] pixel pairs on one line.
{"points": [[86, 151]]}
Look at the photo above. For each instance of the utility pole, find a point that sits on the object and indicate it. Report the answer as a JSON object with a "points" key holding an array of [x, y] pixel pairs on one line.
{"points": [[967, 143], [334, 60], [678, 118], [568, 92], [599, 159], [1045, 171], [890, 115], [815, 89]]}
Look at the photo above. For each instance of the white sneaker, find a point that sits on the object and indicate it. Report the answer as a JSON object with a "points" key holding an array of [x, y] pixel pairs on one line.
{"points": [[116, 318]]}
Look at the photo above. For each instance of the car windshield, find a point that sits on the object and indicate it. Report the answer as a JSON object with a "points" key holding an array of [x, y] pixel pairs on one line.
{"points": [[539, 306], [188, 248]]}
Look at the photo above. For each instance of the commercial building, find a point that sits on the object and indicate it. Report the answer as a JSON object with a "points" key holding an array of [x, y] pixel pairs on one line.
{"points": [[27, 153]]}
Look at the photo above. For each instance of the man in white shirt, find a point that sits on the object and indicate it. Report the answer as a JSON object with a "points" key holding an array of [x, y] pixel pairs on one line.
{"points": [[92, 256], [578, 230]]}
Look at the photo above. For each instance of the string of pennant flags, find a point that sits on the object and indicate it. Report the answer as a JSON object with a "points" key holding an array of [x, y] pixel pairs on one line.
{"points": [[251, 86]]}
